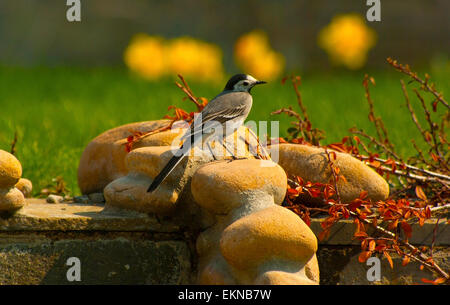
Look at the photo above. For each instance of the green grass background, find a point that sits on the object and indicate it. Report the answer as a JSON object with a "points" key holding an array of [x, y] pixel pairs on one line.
{"points": [[57, 111]]}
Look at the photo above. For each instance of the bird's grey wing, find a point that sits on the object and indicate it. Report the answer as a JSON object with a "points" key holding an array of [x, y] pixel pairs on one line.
{"points": [[227, 106], [221, 109]]}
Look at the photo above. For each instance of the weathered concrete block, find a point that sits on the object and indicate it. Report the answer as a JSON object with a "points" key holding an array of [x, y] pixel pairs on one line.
{"points": [[114, 247], [120, 260]]}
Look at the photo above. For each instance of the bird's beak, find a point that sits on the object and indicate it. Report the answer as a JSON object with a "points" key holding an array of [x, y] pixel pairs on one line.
{"points": [[260, 82]]}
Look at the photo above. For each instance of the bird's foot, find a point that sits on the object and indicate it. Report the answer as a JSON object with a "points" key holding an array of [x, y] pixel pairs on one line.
{"points": [[233, 158]]}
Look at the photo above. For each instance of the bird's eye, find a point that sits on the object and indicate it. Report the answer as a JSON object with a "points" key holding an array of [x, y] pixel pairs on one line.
{"points": [[245, 83]]}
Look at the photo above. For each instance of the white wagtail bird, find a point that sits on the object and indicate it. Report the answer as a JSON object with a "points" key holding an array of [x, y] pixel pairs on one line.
{"points": [[227, 110]]}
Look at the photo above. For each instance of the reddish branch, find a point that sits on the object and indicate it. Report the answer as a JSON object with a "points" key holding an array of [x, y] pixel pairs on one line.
{"points": [[409, 167], [425, 85], [428, 174], [353, 210], [378, 122], [179, 114]]}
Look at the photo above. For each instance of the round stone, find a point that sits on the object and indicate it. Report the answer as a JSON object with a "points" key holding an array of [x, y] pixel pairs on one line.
{"points": [[282, 278], [25, 186], [10, 170], [103, 159], [11, 200], [272, 233], [311, 164], [222, 186]]}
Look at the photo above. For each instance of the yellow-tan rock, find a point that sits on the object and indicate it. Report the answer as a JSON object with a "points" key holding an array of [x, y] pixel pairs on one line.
{"points": [[103, 159], [165, 138], [149, 161], [274, 232], [11, 200], [247, 239], [254, 240], [215, 273], [283, 278], [222, 186], [311, 164], [312, 269], [10, 169], [142, 164], [25, 186], [130, 191]]}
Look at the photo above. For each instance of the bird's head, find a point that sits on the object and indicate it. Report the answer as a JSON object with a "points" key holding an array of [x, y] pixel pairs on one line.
{"points": [[242, 83]]}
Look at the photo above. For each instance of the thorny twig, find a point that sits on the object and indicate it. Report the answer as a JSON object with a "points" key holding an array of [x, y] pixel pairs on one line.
{"points": [[430, 178], [180, 114], [424, 83], [378, 122], [376, 142], [421, 257]]}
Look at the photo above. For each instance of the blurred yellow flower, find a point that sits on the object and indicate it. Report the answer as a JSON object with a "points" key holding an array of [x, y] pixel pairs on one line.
{"points": [[347, 40], [192, 57], [254, 55], [145, 55], [153, 57]]}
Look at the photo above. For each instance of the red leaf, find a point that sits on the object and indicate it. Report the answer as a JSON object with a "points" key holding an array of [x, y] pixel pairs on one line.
{"points": [[440, 280], [421, 221], [406, 228], [342, 178], [364, 244], [354, 205], [405, 260], [314, 192], [292, 192], [360, 234], [434, 157], [389, 259], [323, 235], [427, 281], [364, 256], [374, 222], [434, 104], [336, 170], [420, 193], [128, 147], [307, 219], [363, 195], [393, 225], [428, 212], [380, 248], [435, 282]]}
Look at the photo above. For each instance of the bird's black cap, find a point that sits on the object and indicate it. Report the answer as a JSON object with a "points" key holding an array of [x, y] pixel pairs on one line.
{"points": [[233, 80]]}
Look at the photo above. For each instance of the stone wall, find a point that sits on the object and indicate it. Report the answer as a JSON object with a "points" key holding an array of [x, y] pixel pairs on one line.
{"points": [[132, 248], [125, 248]]}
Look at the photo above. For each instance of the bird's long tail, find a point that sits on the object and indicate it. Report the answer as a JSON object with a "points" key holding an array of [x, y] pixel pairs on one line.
{"points": [[170, 166], [165, 172]]}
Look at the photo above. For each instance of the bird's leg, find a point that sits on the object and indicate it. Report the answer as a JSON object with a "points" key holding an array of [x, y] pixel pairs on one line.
{"points": [[266, 154], [211, 151], [229, 151]]}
